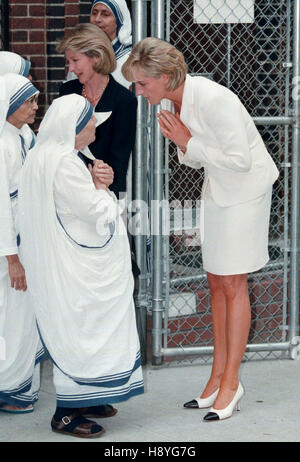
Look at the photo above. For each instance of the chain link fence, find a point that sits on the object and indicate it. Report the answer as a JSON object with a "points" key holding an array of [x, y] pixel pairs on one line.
{"points": [[247, 46]]}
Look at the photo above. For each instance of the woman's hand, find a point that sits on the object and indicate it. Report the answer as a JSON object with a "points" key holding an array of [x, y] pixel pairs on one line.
{"points": [[173, 129], [16, 273], [102, 174]]}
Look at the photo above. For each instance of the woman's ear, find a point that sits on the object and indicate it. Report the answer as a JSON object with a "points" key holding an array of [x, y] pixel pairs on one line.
{"points": [[165, 78], [96, 61]]}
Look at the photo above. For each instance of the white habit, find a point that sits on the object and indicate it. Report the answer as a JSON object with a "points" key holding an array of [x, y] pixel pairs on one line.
{"points": [[19, 371], [79, 268]]}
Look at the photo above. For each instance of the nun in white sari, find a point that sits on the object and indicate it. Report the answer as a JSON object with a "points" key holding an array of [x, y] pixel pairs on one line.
{"points": [[19, 371], [79, 270], [12, 63]]}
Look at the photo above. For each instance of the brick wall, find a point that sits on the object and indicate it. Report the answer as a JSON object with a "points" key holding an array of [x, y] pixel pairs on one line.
{"points": [[28, 35]]}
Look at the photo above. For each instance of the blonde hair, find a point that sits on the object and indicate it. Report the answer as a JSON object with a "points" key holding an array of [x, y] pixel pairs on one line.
{"points": [[90, 40], [154, 57]]}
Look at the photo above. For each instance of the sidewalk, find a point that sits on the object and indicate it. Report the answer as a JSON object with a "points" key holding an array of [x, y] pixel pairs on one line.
{"points": [[270, 409]]}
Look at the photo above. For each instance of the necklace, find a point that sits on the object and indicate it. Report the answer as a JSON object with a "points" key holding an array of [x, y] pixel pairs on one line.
{"points": [[94, 100]]}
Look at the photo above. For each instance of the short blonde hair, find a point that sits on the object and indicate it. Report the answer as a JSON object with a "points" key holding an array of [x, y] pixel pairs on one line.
{"points": [[93, 42], [154, 57]]}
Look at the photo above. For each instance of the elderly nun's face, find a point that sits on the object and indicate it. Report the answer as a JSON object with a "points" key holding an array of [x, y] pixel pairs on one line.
{"points": [[25, 114], [103, 17], [87, 134]]}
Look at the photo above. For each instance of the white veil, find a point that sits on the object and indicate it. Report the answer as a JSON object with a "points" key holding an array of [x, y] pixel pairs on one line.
{"points": [[14, 91], [121, 13], [13, 63]]}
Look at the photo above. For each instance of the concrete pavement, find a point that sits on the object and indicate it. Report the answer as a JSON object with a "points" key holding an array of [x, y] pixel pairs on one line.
{"points": [[270, 409]]}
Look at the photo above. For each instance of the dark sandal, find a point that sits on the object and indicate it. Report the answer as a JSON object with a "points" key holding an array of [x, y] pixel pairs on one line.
{"points": [[76, 425], [99, 411]]}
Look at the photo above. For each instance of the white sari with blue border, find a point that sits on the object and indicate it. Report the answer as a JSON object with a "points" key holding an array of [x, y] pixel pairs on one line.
{"points": [[19, 365], [79, 273]]}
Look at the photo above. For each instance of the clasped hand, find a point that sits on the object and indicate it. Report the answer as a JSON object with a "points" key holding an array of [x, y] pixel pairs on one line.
{"points": [[102, 174], [173, 129]]}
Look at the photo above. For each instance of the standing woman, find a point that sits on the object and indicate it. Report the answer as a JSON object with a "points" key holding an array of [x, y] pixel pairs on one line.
{"points": [[79, 271], [90, 56], [19, 371], [113, 17], [212, 129]]}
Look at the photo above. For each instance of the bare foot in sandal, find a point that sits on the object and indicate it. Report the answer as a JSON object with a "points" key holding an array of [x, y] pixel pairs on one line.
{"points": [[10, 408]]}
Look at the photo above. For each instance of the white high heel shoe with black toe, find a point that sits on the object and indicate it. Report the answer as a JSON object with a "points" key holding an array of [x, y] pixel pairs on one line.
{"points": [[221, 414], [202, 403]]}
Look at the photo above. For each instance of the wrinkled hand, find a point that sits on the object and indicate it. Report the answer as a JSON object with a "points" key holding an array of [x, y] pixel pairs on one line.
{"points": [[102, 174], [173, 129], [16, 273]]}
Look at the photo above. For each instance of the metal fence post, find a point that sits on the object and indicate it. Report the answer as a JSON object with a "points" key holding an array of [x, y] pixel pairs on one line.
{"points": [[139, 189], [4, 24], [295, 193], [157, 30]]}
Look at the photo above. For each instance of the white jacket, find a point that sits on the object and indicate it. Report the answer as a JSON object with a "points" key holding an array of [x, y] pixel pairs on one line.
{"points": [[226, 142]]}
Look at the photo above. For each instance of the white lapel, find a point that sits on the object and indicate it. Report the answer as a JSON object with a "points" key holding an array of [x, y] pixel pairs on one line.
{"points": [[186, 112]]}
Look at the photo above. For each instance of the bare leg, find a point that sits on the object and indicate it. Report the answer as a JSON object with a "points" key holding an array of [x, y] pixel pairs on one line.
{"points": [[237, 332], [218, 310]]}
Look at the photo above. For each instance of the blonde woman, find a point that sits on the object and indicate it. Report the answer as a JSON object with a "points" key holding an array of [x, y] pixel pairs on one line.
{"points": [[113, 17], [90, 56], [213, 130]]}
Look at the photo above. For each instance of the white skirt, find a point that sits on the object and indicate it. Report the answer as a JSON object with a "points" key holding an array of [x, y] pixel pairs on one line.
{"points": [[235, 239]]}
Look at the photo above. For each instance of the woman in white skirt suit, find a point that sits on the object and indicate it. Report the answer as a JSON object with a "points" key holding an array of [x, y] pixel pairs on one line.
{"points": [[212, 129]]}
